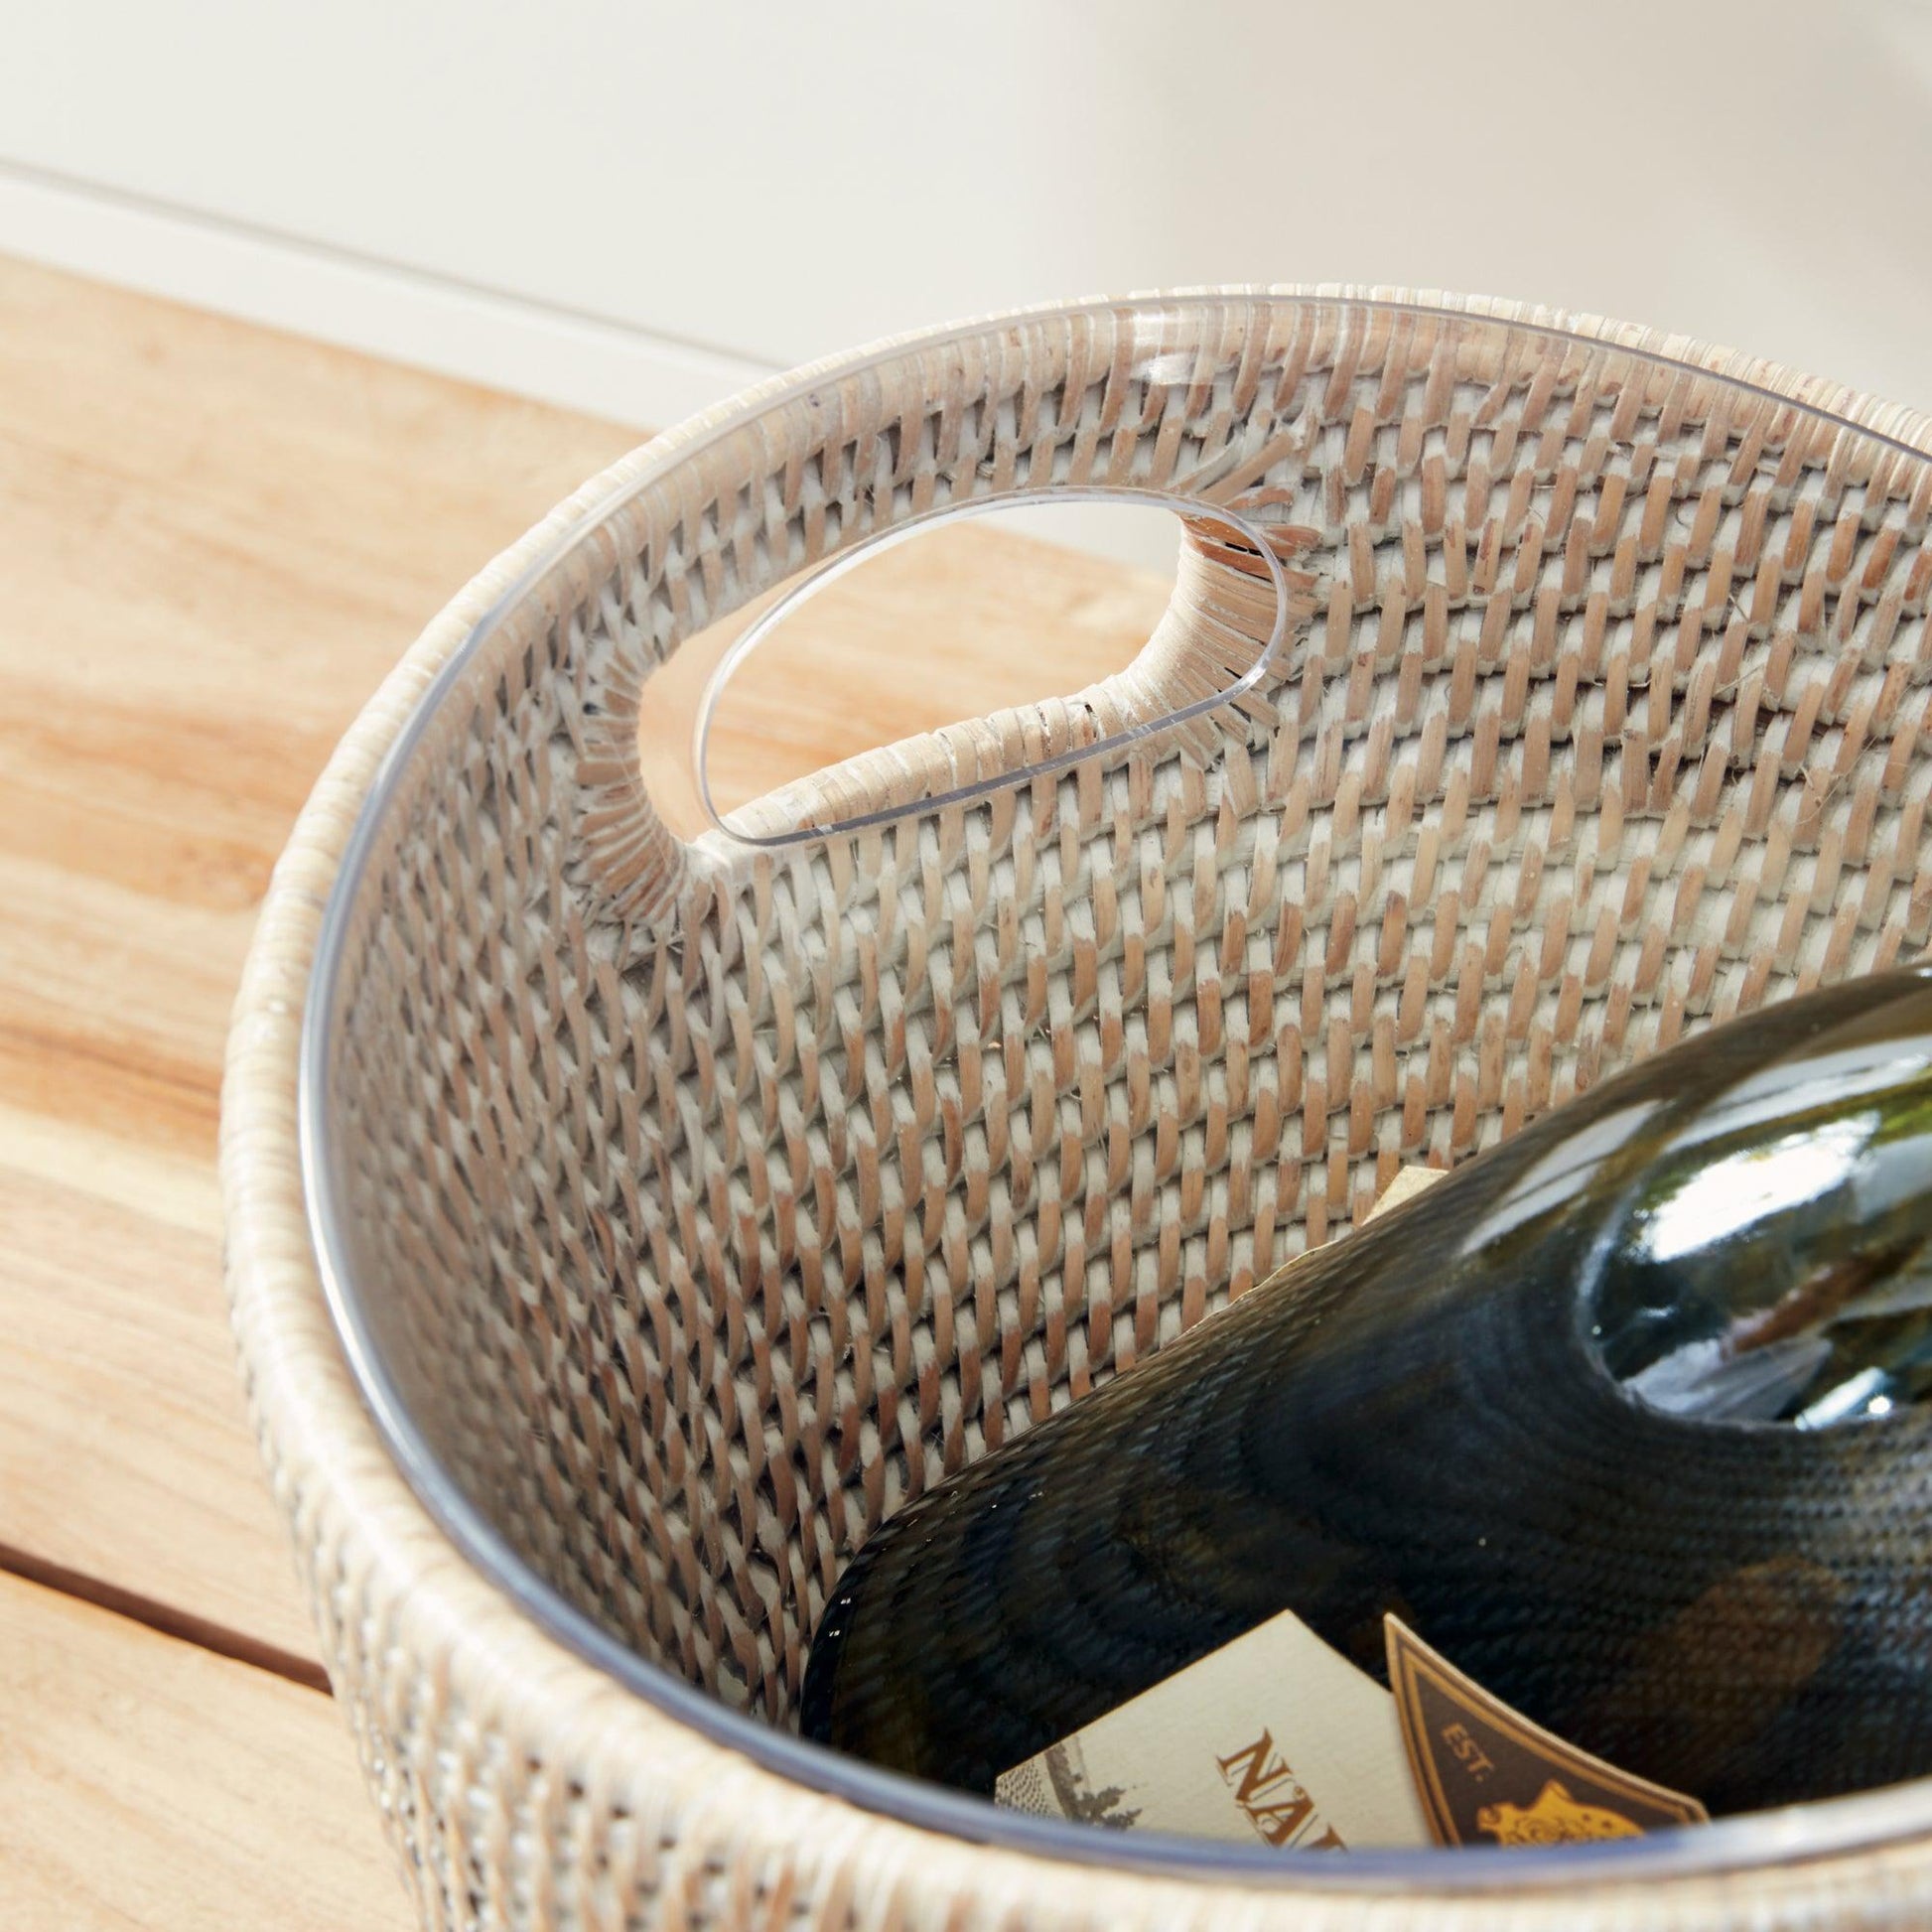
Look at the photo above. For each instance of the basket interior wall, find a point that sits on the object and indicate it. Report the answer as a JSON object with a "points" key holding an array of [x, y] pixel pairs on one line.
{"points": [[699, 1244]]}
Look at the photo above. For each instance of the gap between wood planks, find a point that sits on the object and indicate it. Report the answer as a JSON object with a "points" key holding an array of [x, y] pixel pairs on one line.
{"points": [[166, 1618]]}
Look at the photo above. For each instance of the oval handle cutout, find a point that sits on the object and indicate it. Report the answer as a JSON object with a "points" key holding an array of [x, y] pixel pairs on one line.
{"points": [[975, 625]]}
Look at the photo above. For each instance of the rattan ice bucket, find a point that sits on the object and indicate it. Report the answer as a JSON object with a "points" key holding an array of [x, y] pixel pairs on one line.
{"points": [[618, 1227]]}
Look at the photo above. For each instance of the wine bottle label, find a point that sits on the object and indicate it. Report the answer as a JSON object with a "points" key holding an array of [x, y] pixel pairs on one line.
{"points": [[1278, 1736], [1488, 1776], [1274, 1737], [1404, 1185]]}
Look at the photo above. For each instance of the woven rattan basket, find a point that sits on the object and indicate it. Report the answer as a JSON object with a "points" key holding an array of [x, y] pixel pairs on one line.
{"points": [[618, 1227]]}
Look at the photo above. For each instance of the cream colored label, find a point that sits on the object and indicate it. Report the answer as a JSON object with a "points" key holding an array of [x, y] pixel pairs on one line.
{"points": [[1405, 1186], [1274, 1738]]}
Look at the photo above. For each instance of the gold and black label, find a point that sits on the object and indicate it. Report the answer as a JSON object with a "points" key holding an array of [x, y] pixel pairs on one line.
{"points": [[1487, 1775]]}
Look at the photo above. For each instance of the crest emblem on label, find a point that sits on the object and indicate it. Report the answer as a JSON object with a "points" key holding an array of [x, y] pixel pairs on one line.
{"points": [[1487, 1775], [1555, 1819]]}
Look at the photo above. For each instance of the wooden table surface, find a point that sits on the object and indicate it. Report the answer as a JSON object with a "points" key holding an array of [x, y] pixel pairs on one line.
{"points": [[214, 542]]}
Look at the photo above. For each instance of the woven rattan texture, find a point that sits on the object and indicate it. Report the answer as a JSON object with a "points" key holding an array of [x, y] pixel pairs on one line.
{"points": [[714, 1202]]}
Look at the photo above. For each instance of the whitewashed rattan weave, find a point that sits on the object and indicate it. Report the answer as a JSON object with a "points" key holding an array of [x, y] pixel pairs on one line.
{"points": [[704, 1203]]}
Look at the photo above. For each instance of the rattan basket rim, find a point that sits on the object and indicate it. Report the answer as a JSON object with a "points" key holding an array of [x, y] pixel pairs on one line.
{"points": [[389, 732]]}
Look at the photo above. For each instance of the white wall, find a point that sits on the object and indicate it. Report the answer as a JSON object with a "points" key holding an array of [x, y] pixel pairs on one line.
{"points": [[635, 207]]}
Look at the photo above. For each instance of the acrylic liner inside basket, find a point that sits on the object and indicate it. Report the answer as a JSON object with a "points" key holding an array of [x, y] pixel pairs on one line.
{"points": [[373, 1334]]}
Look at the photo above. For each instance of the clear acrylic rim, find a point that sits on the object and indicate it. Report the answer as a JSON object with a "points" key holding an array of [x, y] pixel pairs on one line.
{"points": [[1831, 1827]]}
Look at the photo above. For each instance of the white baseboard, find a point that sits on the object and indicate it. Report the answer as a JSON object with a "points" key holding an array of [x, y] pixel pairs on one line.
{"points": [[487, 336], [431, 321]]}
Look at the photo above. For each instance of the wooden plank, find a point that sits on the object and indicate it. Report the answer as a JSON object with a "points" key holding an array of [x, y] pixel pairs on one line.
{"points": [[213, 541], [122, 1434], [146, 1782]]}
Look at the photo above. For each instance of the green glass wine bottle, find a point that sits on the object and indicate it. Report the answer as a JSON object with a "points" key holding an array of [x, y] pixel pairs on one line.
{"points": [[1625, 1417]]}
